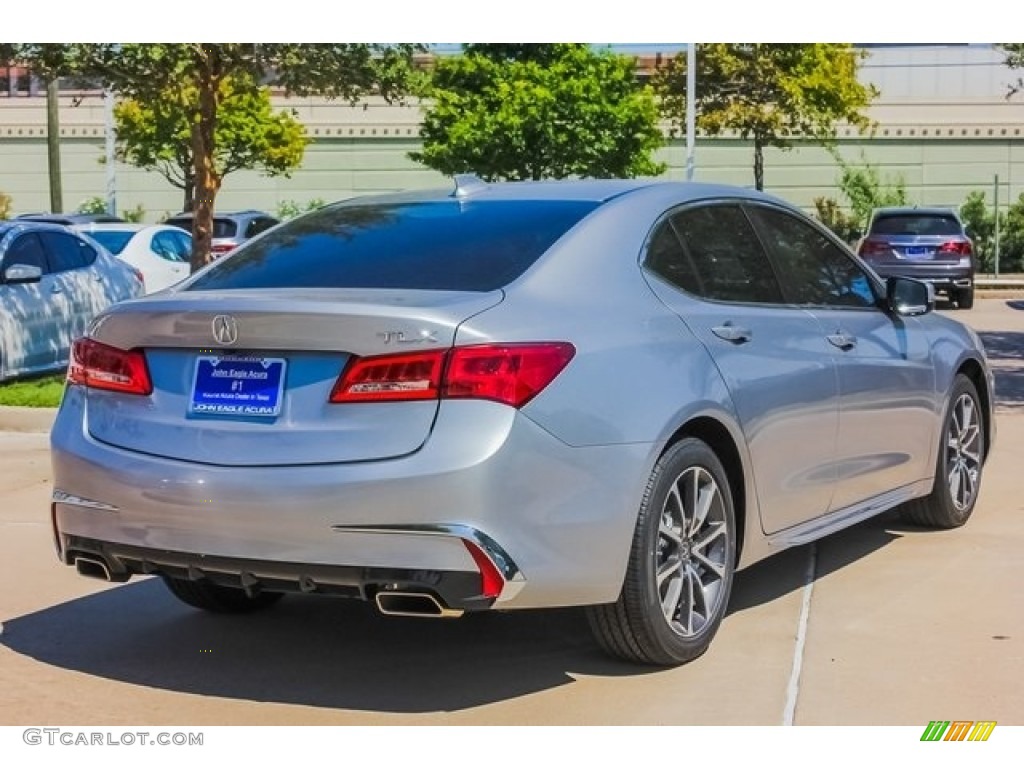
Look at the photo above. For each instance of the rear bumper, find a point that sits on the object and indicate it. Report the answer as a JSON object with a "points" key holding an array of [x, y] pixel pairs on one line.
{"points": [[555, 520], [953, 277]]}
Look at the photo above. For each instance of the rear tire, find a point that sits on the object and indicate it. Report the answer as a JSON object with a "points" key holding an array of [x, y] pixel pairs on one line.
{"points": [[218, 599], [965, 298], [681, 564], [958, 465]]}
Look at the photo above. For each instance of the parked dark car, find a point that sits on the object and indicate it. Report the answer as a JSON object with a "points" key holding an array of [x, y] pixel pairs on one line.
{"points": [[52, 283], [230, 230], [929, 244]]}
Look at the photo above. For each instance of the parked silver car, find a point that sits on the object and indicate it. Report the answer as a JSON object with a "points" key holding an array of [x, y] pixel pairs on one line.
{"points": [[52, 284], [529, 395]]}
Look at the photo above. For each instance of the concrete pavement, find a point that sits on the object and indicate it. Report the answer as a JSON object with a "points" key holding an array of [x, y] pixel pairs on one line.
{"points": [[885, 624]]}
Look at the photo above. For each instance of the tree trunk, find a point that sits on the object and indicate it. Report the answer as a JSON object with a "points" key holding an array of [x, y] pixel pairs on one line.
{"points": [[53, 144], [207, 179], [758, 164]]}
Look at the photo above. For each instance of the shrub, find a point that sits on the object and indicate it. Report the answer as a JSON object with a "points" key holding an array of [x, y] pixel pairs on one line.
{"points": [[5, 206], [289, 209], [93, 205]]}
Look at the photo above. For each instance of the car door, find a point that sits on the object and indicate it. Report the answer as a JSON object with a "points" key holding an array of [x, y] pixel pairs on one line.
{"points": [[72, 264], [33, 313], [776, 364], [886, 379]]}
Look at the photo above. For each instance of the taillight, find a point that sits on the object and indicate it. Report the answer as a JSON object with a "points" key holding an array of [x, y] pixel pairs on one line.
{"points": [[512, 374], [100, 366], [872, 247], [415, 376], [958, 247], [508, 373], [221, 248]]}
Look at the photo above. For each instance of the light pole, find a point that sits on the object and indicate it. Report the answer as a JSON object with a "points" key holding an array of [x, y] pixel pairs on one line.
{"points": [[108, 114], [691, 107]]}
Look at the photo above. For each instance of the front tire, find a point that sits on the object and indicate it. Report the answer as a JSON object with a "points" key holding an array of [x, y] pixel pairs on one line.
{"points": [[681, 564], [218, 599], [959, 463]]}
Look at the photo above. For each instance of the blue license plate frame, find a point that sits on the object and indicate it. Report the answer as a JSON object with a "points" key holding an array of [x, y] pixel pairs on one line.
{"points": [[237, 385]]}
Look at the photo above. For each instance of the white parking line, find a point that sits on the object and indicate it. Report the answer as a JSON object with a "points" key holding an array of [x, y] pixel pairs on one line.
{"points": [[793, 689]]}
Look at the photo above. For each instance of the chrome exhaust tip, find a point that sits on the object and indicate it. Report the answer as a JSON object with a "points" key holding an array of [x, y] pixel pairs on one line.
{"points": [[96, 568], [92, 567], [418, 604]]}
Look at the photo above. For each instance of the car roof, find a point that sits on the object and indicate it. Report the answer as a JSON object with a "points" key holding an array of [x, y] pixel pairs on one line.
{"points": [[67, 218], [221, 214], [583, 190], [31, 225], [913, 210]]}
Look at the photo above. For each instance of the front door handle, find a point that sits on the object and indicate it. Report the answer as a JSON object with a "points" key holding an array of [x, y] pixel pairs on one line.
{"points": [[842, 340], [734, 333]]}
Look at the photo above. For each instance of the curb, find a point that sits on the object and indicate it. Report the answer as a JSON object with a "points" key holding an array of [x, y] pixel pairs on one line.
{"points": [[15, 418]]}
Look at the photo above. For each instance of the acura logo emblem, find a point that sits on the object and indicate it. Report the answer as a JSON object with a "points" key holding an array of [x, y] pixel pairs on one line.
{"points": [[225, 330]]}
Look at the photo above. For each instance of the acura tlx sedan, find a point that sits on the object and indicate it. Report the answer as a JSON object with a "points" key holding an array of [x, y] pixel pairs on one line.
{"points": [[604, 393]]}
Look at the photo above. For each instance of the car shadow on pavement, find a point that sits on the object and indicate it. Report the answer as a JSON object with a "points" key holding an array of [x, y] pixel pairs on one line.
{"points": [[342, 654], [321, 652]]}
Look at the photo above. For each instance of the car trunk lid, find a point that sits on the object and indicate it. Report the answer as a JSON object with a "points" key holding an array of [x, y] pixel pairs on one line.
{"points": [[244, 377]]}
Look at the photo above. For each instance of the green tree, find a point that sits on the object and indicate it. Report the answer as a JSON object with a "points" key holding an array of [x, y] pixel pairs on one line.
{"points": [[533, 111], [191, 76], [155, 135], [1014, 53], [1011, 245], [829, 212], [865, 189], [980, 221], [770, 94]]}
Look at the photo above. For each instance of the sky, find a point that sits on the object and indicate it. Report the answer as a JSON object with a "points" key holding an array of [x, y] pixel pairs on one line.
{"points": [[520, 21]]}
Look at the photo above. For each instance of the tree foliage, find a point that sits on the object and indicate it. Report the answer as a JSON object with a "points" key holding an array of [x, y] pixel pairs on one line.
{"points": [[770, 94], [533, 111], [191, 77], [1014, 53], [155, 135], [864, 189]]}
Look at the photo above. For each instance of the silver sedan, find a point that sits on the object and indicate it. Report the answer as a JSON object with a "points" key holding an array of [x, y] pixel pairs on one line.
{"points": [[52, 284], [609, 394]]}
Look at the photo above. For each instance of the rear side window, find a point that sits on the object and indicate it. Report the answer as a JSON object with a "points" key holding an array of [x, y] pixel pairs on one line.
{"points": [[727, 256], [916, 224], [449, 245], [67, 251]]}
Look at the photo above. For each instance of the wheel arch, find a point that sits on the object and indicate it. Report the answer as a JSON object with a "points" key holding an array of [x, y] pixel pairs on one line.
{"points": [[973, 370], [722, 442]]}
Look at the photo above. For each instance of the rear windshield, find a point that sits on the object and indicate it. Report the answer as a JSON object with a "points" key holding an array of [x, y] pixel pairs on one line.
{"points": [[916, 224], [442, 245], [112, 240], [221, 227]]}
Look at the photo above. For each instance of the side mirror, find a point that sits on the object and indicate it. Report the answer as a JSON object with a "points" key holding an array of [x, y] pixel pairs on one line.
{"points": [[22, 273], [909, 298]]}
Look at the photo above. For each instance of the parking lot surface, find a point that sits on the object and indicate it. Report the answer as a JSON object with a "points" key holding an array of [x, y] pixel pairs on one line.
{"points": [[883, 624]]}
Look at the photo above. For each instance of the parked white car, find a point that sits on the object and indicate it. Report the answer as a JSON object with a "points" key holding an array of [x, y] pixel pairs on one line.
{"points": [[160, 252]]}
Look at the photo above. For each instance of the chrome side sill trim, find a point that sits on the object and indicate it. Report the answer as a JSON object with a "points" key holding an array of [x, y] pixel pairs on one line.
{"points": [[60, 497]]}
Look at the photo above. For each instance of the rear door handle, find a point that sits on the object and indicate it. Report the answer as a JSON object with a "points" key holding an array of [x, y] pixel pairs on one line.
{"points": [[842, 340], [734, 333]]}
